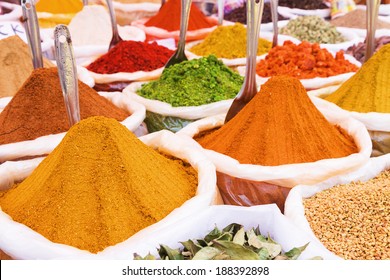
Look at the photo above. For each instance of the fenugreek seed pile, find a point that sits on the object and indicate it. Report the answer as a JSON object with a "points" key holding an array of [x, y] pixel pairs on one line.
{"points": [[353, 220]]}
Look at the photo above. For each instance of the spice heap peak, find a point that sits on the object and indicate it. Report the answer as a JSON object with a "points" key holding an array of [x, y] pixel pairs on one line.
{"points": [[280, 125], [368, 90], [38, 108], [168, 17], [99, 186]]}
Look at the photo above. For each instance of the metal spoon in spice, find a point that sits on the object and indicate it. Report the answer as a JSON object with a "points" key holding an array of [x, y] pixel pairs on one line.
{"points": [[372, 15], [249, 87], [274, 15], [221, 6], [179, 55], [32, 31], [67, 72], [116, 38]]}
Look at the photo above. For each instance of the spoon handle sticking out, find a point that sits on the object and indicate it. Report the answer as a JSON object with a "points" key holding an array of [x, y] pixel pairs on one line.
{"points": [[67, 72], [221, 6], [32, 31], [372, 15], [274, 14]]}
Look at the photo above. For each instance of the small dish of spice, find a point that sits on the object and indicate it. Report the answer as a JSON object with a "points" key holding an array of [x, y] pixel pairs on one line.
{"points": [[229, 42], [239, 14], [356, 22], [186, 92], [315, 29], [130, 61], [316, 67], [304, 8], [349, 215]]}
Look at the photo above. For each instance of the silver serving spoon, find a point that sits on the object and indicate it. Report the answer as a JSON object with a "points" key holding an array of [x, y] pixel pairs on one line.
{"points": [[32, 31], [179, 55], [249, 88], [67, 72], [221, 6], [372, 15], [274, 14], [116, 38]]}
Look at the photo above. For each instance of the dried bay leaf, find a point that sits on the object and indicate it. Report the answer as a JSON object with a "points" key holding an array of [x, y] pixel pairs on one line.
{"points": [[235, 251], [207, 253], [239, 238]]}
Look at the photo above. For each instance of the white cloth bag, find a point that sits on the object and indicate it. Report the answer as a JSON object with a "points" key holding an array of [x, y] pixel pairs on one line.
{"points": [[294, 209]]}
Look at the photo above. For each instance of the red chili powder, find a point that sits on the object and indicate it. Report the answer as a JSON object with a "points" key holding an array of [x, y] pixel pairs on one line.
{"points": [[131, 56], [303, 61], [38, 108], [280, 125], [168, 17]]}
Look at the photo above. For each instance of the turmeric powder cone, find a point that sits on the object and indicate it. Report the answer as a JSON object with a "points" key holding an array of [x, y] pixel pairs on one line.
{"points": [[99, 186], [280, 125]]}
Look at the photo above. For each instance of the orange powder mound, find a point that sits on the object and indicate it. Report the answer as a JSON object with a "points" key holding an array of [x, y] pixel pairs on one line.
{"points": [[168, 17], [303, 61], [280, 125]]}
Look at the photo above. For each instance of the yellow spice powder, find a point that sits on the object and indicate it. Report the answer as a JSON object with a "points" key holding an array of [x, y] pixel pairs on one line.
{"points": [[368, 90], [228, 42], [100, 186]]}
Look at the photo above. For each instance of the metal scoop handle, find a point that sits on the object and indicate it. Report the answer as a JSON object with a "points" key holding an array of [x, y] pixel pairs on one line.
{"points": [[372, 15], [274, 14], [221, 5], [67, 72], [32, 32]]}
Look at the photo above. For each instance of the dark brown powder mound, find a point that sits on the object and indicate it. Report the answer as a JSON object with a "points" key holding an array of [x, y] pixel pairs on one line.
{"points": [[38, 108], [280, 125]]}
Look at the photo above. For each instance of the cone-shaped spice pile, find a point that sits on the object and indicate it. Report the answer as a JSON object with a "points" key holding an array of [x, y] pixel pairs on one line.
{"points": [[38, 108], [99, 186], [280, 125], [368, 90]]}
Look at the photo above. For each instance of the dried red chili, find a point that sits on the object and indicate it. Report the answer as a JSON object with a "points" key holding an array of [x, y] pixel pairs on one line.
{"points": [[303, 61], [168, 17], [131, 56]]}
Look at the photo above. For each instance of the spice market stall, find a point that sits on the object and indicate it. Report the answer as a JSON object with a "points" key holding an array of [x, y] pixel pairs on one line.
{"points": [[100, 190]]}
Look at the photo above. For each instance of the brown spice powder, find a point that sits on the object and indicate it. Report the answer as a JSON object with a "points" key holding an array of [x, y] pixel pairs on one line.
{"points": [[38, 108]]}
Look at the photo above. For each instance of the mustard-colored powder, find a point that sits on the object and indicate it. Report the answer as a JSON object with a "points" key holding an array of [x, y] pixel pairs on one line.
{"points": [[368, 90], [228, 42], [100, 186], [59, 6]]}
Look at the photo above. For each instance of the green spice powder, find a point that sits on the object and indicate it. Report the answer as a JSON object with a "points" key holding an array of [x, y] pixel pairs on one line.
{"points": [[194, 82]]}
